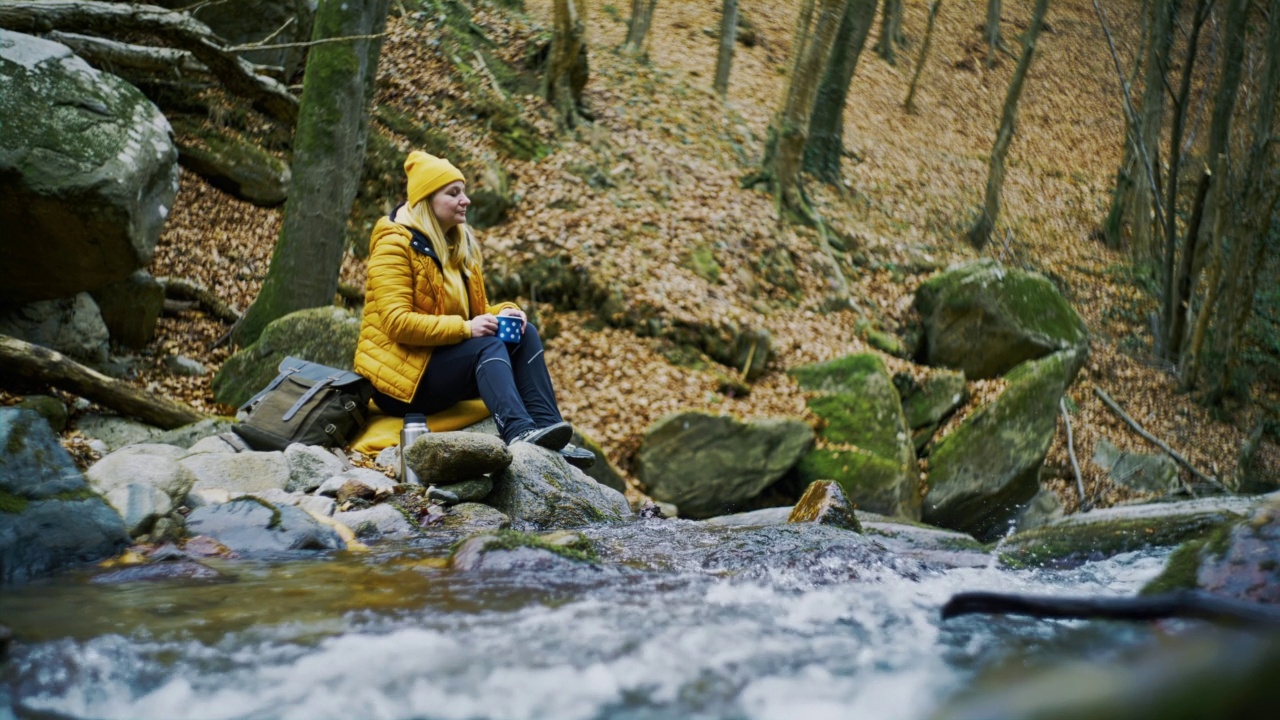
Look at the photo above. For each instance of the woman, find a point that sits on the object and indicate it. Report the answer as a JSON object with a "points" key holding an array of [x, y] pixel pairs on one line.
{"points": [[429, 335]]}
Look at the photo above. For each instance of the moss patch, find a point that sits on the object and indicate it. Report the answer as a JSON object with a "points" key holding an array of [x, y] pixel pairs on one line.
{"points": [[12, 504], [580, 549], [1080, 542]]}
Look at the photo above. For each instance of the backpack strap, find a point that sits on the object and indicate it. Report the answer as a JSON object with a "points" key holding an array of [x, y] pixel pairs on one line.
{"points": [[275, 383], [306, 397]]}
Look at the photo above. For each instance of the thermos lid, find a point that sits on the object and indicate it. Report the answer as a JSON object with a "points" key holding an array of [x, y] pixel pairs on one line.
{"points": [[415, 419]]}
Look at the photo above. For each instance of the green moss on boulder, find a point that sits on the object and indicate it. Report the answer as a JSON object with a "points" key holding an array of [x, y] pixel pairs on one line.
{"points": [[324, 335]]}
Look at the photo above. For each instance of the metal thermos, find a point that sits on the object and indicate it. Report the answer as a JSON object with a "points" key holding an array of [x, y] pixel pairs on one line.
{"points": [[415, 426]]}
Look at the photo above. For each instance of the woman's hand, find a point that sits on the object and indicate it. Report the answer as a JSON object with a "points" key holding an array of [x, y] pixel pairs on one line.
{"points": [[484, 325], [515, 312]]}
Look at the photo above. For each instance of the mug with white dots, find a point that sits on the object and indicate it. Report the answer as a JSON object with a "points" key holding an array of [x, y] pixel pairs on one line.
{"points": [[509, 328]]}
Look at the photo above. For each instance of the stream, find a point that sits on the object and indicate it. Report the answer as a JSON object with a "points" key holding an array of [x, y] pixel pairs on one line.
{"points": [[680, 620]]}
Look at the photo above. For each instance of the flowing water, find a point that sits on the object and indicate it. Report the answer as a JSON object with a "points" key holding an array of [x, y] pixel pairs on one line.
{"points": [[682, 621]]}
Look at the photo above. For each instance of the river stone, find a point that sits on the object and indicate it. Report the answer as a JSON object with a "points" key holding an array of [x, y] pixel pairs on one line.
{"points": [[927, 403], [989, 466], [72, 326], [985, 319], [373, 483], [117, 432], [325, 335], [753, 518], [87, 166], [445, 458], [1136, 471], [171, 452], [130, 308], [469, 490], [310, 466], [824, 503], [140, 506], [465, 518], [803, 555], [252, 526], [122, 469], [539, 489], [53, 410], [49, 518], [934, 546], [865, 444], [509, 551], [711, 464], [378, 521], [241, 473], [1240, 559]]}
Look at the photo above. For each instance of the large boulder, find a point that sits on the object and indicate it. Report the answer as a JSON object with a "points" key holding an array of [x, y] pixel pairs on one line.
{"points": [[130, 308], [540, 490], [987, 468], [49, 518], [142, 487], [237, 473], [926, 403], [864, 443], [72, 325], [985, 319], [1137, 471], [88, 172], [253, 526], [711, 464], [324, 335]]}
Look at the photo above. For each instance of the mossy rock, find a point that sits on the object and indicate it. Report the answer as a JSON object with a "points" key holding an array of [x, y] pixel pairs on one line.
{"points": [[928, 403], [989, 466], [1238, 559], [985, 319], [825, 503], [324, 335], [864, 444], [233, 164]]}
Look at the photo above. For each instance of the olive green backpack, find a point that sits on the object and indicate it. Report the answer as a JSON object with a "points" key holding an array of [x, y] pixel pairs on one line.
{"points": [[306, 403]]}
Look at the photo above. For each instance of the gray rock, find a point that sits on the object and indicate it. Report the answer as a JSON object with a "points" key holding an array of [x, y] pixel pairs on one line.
{"points": [[122, 469], [53, 410], [865, 442], [375, 481], [1041, 510], [117, 432], [603, 471], [540, 490], [935, 546], [253, 526], [172, 452], [188, 435], [1136, 471], [89, 169], [989, 466], [467, 518], [381, 520], [515, 551], [927, 403], [49, 518], [1239, 560], [469, 490], [755, 518], [310, 466], [72, 326], [324, 335], [246, 472], [445, 458], [184, 366], [232, 164], [711, 464], [824, 503], [318, 505], [130, 308], [215, 444], [140, 506], [985, 319]]}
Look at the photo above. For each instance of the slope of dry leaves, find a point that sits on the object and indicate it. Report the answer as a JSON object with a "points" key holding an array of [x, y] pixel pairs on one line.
{"points": [[671, 155]]}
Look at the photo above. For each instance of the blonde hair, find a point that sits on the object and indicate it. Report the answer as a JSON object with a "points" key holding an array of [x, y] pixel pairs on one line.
{"points": [[457, 249]]}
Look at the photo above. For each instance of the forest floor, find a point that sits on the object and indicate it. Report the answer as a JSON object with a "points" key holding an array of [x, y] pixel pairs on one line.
{"points": [[641, 196]]}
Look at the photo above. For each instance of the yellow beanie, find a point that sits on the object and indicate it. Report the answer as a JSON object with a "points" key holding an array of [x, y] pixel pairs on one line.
{"points": [[427, 174]]}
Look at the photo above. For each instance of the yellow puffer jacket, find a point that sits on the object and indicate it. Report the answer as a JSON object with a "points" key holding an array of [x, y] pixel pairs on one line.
{"points": [[400, 325]]}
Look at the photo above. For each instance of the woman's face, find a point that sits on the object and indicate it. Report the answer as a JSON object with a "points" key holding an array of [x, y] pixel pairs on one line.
{"points": [[449, 204]]}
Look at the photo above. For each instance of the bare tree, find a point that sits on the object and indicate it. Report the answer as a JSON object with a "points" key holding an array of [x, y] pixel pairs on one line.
{"points": [[728, 33], [890, 31], [328, 155], [980, 233], [991, 31], [1147, 135], [638, 25], [563, 82], [909, 103], [826, 129]]}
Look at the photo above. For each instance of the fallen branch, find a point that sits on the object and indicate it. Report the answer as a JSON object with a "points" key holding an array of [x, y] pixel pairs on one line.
{"points": [[21, 359], [237, 75], [1106, 399], [1189, 604], [1071, 453], [181, 289], [112, 55]]}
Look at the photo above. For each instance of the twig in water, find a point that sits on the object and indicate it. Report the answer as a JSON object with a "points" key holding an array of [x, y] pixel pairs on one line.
{"points": [[1106, 399], [1182, 604], [1071, 453]]}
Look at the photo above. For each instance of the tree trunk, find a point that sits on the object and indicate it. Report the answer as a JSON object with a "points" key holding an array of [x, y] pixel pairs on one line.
{"points": [[329, 151], [728, 33], [1190, 364], [826, 128], [567, 44], [1170, 328], [24, 361], [992, 32], [1148, 132], [784, 152], [980, 233], [1122, 195], [1184, 279], [910, 103], [890, 31], [638, 25]]}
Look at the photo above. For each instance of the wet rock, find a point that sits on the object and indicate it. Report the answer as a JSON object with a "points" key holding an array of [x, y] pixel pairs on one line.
{"points": [[541, 490], [1039, 511], [158, 572], [467, 518], [754, 518], [379, 521], [934, 546], [985, 319], [988, 467], [1240, 559], [803, 554], [711, 464], [865, 442], [252, 526], [49, 517], [467, 491], [824, 503], [72, 326], [139, 505], [359, 483], [318, 505], [508, 550], [90, 171], [130, 308], [324, 335], [1136, 471], [445, 458], [241, 473], [310, 466]]}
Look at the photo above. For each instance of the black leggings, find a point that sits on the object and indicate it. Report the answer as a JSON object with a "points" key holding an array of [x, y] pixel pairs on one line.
{"points": [[511, 378]]}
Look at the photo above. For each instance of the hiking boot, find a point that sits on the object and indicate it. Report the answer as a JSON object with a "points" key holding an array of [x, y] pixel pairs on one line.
{"points": [[581, 458], [552, 437]]}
